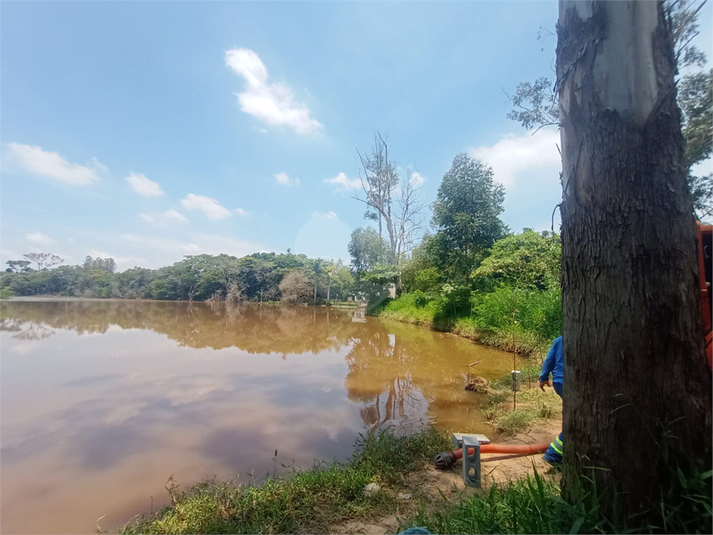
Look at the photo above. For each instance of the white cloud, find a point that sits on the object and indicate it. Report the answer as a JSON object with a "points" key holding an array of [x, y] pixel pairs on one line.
{"points": [[529, 166], [210, 207], [516, 157], [37, 238], [272, 103], [285, 180], [98, 165], [163, 219], [52, 165], [161, 244], [143, 186], [417, 179], [328, 215], [199, 244], [241, 212], [343, 182]]}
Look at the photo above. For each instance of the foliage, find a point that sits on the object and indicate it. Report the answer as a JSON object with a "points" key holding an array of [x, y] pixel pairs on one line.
{"points": [[519, 309], [367, 249], [18, 266], [44, 260], [382, 274], [391, 201], [466, 215], [533, 505], [526, 260], [427, 280], [295, 287], [6, 293], [108, 265], [256, 277], [535, 104], [695, 97], [421, 259]]}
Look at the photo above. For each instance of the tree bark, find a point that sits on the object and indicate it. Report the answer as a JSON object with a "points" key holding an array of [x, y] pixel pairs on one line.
{"points": [[637, 393]]}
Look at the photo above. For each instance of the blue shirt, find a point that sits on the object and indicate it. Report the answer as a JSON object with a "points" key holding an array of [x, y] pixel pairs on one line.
{"points": [[554, 363]]}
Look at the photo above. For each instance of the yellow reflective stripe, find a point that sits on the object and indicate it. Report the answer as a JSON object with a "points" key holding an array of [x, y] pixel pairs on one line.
{"points": [[556, 448], [559, 442]]}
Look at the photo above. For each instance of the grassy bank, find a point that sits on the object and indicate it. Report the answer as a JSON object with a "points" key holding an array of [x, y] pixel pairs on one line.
{"points": [[324, 499], [301, 502], [534, 505], [512, 319], [533, 405]]}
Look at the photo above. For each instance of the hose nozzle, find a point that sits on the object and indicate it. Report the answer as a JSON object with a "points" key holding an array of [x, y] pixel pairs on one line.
{"points": [[444, 460]]}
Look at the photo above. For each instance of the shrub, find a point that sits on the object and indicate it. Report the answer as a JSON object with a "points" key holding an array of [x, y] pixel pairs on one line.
{"points": [[6, 293], [420, 299], [428, 280], [516, 309]]}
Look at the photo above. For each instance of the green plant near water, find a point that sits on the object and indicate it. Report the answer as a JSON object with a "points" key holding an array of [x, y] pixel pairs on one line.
{"points": [[534, 505], [301, 502], [6, 293]]}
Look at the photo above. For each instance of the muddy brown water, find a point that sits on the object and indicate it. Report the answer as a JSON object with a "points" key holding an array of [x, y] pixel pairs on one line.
{"points": [[103, 401]]}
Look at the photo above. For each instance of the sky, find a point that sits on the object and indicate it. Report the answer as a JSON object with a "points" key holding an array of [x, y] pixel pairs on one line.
{"points": [[146, 131]]}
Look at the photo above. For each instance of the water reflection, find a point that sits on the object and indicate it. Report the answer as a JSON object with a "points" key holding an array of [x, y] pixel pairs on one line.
{"points": [[103, 400]]}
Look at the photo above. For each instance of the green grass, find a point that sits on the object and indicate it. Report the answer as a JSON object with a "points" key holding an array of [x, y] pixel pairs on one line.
{"points": [[515, 320], [534, 505], [532, 404], [303, 502], [313, 500]]}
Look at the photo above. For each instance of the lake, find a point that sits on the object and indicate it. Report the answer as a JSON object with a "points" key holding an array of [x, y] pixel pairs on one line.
{"points": [[103, 401]]}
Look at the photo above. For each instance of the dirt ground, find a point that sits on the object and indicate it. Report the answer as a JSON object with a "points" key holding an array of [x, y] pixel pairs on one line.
{"points": [[426, 486]]}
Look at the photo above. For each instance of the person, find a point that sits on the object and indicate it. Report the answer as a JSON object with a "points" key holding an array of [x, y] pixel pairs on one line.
{"points": [[554, 364]]}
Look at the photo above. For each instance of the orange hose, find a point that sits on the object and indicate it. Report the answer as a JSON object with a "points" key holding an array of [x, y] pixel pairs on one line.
{"points": [[528, 449]]}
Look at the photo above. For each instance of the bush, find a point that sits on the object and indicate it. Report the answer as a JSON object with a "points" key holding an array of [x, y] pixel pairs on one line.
{"points": [[515, 309], [428, 280], [420, 299], [526, 260], [6, 293], [456, 301]]}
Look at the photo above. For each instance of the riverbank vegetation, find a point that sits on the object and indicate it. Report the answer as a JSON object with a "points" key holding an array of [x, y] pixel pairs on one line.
{"points": [[510, 300], [377, 483], [260, 277], [529, 408], [304, 501]]}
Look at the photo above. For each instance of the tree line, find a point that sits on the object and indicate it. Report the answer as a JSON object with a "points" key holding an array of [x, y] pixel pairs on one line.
{"points": [[259, 277]]}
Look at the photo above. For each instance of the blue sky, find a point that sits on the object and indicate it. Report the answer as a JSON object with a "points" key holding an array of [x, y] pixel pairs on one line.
{"points": [[151, 130]]}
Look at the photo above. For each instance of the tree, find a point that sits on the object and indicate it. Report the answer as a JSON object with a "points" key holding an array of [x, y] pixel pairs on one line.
{"points": [[341, 282], [108, 265], [367, 249], [466, 212], [390, 201], [637, 405], [526, 260], [319, 268], [295, 287], [696, 100], [18, 266], [535, 104], [44, 260]]}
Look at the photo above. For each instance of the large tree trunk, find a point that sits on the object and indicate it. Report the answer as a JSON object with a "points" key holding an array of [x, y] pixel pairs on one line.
{"points": [[637, 393]]}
